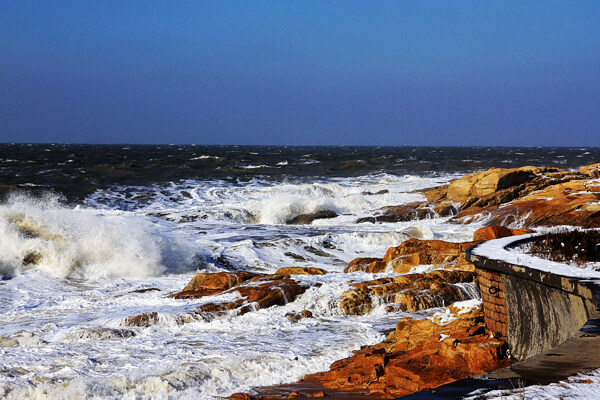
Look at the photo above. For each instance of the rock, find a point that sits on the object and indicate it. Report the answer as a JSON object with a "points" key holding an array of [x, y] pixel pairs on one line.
{"points": [[295, 317], [383, 191], [570, 203], [411, 292], [422, 252], [277, 292], [369, 264], [436, 193], [259, 292], [488, 182], [142, 320], [496, 232], [240, 396], [213, 283], [412, 212], [306, 219], [592, 171], [255, 292], [413, 358], [300, 271]]}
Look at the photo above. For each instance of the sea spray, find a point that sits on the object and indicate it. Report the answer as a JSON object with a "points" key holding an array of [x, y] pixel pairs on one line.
{"points": [[40, 233]]}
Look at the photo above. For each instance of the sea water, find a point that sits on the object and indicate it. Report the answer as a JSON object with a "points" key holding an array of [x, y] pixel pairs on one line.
{"points": [[92, 235]]}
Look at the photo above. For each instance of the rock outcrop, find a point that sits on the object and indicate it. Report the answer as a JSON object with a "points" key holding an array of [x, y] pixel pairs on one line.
{"points": [[527, 196], [418, 355], [570, 203], [402, 258], [255, 291], [254, 296]]}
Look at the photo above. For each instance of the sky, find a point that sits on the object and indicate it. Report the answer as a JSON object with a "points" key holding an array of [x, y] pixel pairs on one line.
{"points": [[443, 73]]}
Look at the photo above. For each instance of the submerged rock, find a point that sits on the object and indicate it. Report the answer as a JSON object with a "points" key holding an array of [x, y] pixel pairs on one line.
{"points": [[295, 317], [261, 291]]}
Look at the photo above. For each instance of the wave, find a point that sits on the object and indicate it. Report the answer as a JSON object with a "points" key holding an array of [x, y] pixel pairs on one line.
{"points": [[264, 202], [42, 234]]}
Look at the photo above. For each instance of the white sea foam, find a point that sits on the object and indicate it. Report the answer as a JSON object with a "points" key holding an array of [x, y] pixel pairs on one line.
{"points": [[42, 234]]}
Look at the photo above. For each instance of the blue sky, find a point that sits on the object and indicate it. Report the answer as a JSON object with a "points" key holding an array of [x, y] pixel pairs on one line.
{"points": [[301, 72]]}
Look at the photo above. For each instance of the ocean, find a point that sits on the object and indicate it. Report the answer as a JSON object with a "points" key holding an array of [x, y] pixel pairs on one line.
{"points": [[92, 234]]}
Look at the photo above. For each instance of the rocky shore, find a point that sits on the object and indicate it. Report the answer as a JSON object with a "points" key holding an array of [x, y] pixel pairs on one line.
{"points": [[419, 353]]}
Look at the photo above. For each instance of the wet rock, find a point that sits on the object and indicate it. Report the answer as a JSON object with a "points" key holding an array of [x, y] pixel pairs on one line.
{"points": [[414, 252], [410, 292], [278, 292], [153, 289], [259, 292], [142, 320], [416, 357], [412, 212], [295, 256], [32, 257], [317, 252], [295, 317], [369, 264], [101, 334], [300, 271], [306, 219], [383, 191], [213, 283]]}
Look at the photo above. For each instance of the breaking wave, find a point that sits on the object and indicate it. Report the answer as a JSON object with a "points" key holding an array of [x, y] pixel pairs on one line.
{"points": [[40, 233]]}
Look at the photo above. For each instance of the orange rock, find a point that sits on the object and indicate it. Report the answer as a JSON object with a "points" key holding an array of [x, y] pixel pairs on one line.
{"points": [[295, 317], [214, 283], [488, 182], [574, 203], [142, 320], [419, 252], [366, 264], [411, 212], [410, 292], [413, 358], [591, 170], [496, 232], [300, 271], [240, 396]]}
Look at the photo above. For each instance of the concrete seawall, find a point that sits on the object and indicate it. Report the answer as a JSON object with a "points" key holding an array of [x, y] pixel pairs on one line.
{"points": [[533, 310]]}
